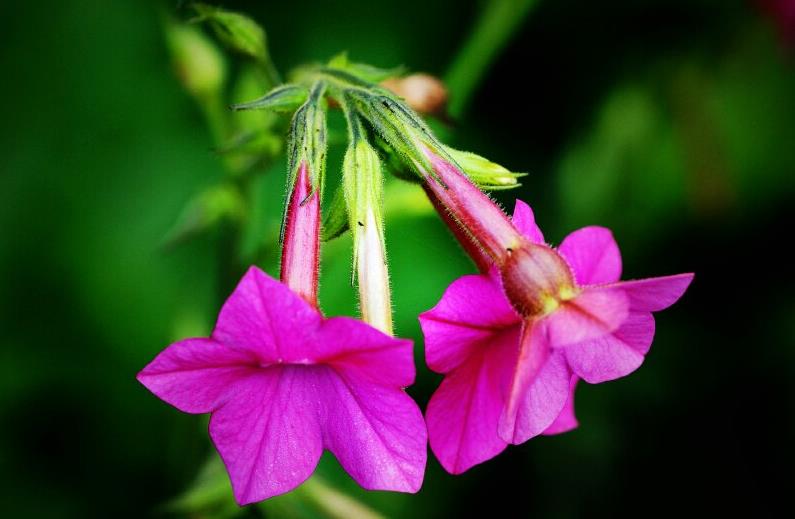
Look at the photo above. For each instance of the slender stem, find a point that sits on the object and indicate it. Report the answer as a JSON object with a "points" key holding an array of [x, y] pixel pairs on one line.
{"points": [[496, 25], [301, 249]]}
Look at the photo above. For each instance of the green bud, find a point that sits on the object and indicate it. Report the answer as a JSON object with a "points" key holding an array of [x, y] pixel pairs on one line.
{"points": [[363, 181], [285, 98], [237, 31], [484, 173], [199, 64]]}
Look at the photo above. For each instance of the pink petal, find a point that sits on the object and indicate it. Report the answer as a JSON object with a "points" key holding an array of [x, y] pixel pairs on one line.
{"points": [[566, 420], [363, 352], [196, 375], [464, 412], [524, 220], [655, 294], [595, 312], [264, 316], [538, 390], [593, 255], [273, 428], [472, 310], [614, 355], [377, 433], [269, 435]]}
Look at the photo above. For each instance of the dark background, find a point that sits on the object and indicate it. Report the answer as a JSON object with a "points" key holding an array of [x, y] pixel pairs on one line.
{"points": [[672, 122]]}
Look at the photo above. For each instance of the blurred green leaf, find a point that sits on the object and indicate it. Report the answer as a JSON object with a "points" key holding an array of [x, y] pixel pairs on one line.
{"points": [[206, 210], [627, 170]]}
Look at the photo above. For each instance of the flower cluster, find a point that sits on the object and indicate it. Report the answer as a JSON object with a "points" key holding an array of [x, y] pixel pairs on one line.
{"points": [[283, 382]]}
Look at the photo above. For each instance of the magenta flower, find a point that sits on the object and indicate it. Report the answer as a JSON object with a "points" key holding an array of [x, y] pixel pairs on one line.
{"points": [[283, 383], [513, 342]]}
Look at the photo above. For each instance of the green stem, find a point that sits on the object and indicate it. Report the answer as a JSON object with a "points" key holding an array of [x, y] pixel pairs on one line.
{"points": [[332, 503], [494, 28]]}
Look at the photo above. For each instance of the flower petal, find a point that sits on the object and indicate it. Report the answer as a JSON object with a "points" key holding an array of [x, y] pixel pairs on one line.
{"points": [[566, 420], [361, 351], [595, 312], [464, 412], [538, 390], [524, 220], [377, 433], [264, 316], [269, 435], [614, 355], [655, 294], [195, 375], [593, 255], [472, 310]]}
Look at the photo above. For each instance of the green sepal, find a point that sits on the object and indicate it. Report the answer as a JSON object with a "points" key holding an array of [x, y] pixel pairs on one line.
{"points": [[400, 127], [364, 71], [335, 222], [285, 98], [485, 173], [307, 142], [393, 163]]}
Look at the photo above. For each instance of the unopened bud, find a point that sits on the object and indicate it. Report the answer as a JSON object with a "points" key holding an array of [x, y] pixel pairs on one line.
{"points": [[198, 62], [235, 30], [363, 186], [422, 92]]}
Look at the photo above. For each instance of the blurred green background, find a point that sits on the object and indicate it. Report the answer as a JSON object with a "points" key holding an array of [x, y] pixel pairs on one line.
{"points": [[672, 122]]}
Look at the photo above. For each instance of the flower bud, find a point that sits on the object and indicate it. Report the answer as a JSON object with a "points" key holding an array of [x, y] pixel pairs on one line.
{"points": [[363, 188], [301, 221], [198, 62], [301, 237], [236, 31], [422, 92], [536, 279]]}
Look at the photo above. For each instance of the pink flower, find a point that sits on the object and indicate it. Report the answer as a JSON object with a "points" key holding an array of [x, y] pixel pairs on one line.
{"points": [[283, 383], [513, 342]]}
